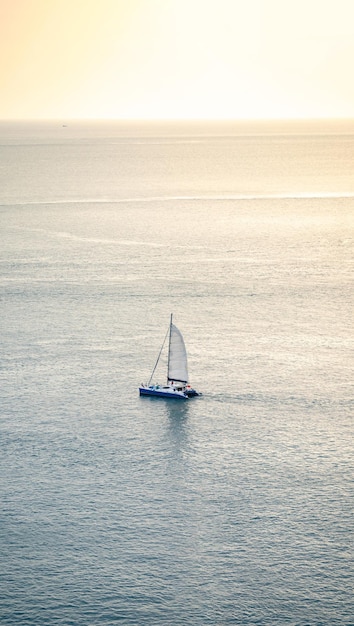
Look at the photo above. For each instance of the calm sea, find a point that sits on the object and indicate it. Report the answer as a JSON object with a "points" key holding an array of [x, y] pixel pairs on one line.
{"points": [[232, 508]]}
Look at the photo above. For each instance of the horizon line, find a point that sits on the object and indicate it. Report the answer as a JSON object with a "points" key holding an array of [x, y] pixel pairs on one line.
{"points": [[177, 119]]}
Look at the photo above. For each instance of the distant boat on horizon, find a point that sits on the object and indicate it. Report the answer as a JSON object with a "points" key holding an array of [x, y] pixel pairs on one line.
{"points": [[177, 385]]}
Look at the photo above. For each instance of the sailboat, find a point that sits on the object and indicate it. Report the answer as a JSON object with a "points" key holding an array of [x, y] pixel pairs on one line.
{"points": [[177, 385]]}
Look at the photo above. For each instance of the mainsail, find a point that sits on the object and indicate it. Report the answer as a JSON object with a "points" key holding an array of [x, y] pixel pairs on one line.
{"points": [[177, 357]]}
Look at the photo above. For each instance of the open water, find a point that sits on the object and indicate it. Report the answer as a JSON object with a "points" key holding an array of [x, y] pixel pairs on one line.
{"points": [[232, 508]]}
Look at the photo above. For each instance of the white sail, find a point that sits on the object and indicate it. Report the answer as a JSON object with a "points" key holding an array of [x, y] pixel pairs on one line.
{"points": [[177, 362]]}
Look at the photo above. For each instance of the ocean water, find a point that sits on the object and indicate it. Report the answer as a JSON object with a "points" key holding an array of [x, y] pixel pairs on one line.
{"points": [[232, 508]]}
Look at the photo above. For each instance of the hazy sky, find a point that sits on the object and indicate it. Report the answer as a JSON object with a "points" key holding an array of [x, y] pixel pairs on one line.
{"points": [[176, 58]]}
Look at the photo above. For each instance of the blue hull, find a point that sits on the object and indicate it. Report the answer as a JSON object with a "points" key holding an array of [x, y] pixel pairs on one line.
{"points": [[161, 394]]}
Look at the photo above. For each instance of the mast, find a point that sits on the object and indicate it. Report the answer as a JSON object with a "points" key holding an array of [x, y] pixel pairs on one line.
{"points": [[169, 350]]}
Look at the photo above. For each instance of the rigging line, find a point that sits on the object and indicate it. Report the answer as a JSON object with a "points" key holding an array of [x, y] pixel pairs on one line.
{"points": [[158, 358]]}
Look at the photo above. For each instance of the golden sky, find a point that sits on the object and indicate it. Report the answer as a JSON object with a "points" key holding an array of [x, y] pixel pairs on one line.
{"points": [[170, 59]]}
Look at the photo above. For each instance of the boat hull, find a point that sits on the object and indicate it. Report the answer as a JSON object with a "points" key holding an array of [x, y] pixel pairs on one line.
{"points": [[172, 394]]}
